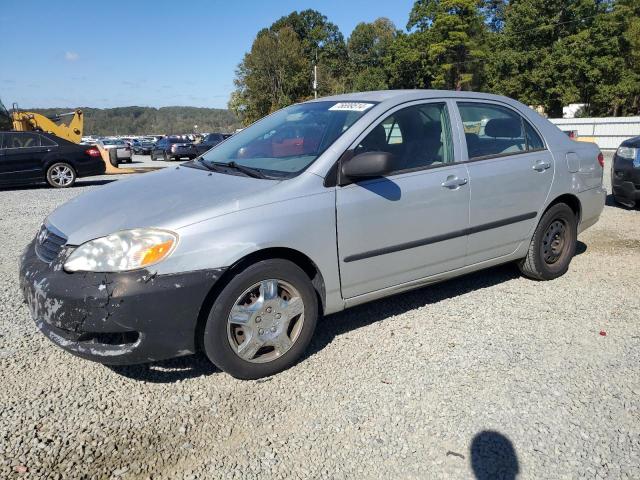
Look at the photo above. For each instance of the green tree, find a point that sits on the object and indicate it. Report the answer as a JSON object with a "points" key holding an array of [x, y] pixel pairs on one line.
{"points": [[451, 33], [272, 75], [322, 45], [406, 63], [554, 53], [367, 47]]}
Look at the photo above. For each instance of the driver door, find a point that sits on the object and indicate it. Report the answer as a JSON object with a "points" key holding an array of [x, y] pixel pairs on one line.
{"points": [[412, 223]]}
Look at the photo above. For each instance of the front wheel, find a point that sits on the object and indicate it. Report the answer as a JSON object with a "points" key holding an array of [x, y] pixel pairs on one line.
{"points": [[61, 175], [553, 244], [262, 321]]}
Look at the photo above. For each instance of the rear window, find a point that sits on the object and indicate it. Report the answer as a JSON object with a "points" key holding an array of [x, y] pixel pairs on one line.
{"points": [[177, 140]]}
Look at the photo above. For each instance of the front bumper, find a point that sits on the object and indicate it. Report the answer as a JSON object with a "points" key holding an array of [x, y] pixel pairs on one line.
{"points": [[115, 318], [625, 181]]}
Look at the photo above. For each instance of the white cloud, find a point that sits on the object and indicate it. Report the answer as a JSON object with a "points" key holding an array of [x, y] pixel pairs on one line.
{"points": [[71, 56]]}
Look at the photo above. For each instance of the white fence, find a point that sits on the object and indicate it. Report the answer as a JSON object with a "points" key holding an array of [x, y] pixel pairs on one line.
{"points": [[607, 132]]}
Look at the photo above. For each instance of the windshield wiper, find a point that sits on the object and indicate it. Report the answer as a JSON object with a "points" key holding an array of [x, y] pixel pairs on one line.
{"points": [[251, 172], [208, 166]]}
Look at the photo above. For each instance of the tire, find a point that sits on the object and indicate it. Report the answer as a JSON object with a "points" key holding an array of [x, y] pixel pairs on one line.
{"points": [[223, 339], [553, 244], [61, 175]]}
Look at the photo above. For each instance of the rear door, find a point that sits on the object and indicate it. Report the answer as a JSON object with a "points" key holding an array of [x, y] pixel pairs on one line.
{"points": [[411, 223], [510, 174]]}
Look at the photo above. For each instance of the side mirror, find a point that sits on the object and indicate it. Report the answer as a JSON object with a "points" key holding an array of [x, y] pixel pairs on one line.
{"points": [[368, 164]]}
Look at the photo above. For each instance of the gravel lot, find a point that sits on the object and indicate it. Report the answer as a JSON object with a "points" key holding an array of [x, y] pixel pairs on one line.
{"points": [[490, 373]]}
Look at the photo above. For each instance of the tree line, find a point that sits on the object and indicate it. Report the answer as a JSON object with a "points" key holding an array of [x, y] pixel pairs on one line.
{"points": [[147, 120], [546, 53]]}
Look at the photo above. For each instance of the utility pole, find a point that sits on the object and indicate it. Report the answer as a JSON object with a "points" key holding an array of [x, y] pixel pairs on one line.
{"points": [[315, 77], [315, 81]]}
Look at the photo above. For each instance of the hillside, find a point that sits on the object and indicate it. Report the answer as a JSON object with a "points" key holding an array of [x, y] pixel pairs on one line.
{"points": [[147, 120]]}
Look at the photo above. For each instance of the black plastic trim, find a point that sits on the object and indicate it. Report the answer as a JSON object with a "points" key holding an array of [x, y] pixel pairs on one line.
{"points": [[440, 238]]}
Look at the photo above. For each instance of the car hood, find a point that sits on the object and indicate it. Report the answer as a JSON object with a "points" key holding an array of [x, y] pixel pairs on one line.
{"points": [[170, 198]]}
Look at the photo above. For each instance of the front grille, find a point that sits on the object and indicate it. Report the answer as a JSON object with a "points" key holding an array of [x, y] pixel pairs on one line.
{"points": [[49, 244]]}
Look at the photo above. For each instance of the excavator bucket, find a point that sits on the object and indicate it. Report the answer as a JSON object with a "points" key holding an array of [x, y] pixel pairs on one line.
{"points": [[109, 157]]}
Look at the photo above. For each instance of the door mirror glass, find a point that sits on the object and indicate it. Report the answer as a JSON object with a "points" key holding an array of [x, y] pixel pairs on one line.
{"points": [[368, 164]]}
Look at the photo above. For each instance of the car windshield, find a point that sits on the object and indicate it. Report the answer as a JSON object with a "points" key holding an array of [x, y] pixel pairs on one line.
{"points": [[112, 142], [288, 141]]}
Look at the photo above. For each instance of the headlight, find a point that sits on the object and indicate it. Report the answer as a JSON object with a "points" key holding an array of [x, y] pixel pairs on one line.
{"points": [[122, 251], [627, 152]]}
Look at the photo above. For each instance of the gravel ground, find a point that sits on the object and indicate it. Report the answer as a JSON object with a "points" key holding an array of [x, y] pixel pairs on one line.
{"points": [[489, 374]]}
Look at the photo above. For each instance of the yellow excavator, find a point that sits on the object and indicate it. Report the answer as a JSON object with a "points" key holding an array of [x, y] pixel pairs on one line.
{"points": [[21, 121], [55, 124]]}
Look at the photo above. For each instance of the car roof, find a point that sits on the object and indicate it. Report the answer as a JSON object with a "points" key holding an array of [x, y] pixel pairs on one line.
{"points": [[401, 96]]}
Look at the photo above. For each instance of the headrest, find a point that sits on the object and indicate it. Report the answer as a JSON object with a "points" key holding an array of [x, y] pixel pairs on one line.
{"points": [[503, 128], [376, 139], [433, 130]]}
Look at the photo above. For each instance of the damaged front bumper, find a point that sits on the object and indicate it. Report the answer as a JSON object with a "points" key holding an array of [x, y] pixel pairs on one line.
{"points": [[115, 318]]}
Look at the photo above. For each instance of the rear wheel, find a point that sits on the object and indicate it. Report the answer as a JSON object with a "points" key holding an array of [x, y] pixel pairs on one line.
{"points": [[61, 175], [553, 244], [262, 321]]}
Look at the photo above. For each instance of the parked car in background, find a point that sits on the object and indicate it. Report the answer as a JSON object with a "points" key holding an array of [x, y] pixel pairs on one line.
{"points": [[142, 146], [35, 157], [625, 173], [375, 193], [123, 151], [210, 141], [173, 148]]}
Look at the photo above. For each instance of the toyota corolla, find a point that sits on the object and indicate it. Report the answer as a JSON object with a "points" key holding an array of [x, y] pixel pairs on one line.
{"points": [[316, 208]]}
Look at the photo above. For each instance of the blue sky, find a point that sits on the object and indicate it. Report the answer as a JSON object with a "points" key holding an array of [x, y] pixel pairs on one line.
{"points": [[148, 53]]}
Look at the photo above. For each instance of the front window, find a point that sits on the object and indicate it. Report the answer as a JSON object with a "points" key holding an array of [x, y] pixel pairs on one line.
{"points": [[418, 136], [287, 142]]}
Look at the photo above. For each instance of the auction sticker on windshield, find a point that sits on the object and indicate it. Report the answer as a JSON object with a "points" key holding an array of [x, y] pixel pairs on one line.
{"points": [[352, 106]]}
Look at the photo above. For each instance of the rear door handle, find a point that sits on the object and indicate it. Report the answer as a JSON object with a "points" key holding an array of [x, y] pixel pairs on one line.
{"points": [[452, 182], [541, 166]]}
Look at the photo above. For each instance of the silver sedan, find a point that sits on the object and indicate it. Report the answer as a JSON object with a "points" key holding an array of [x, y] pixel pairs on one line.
{"points": [[316, 208]]}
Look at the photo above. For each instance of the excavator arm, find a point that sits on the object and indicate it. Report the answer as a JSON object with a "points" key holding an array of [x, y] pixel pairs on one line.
{"points": [[31, 121]]}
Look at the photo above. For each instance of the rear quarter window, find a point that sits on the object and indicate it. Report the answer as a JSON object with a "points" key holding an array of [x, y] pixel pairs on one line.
{"points": [[47, 142]]}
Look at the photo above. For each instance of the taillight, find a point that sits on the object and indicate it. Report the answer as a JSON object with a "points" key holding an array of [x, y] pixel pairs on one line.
{"points": [[601, 159], [92, 152]]}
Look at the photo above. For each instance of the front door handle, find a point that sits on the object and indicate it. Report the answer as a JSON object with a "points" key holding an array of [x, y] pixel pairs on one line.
{"points": [[452, 182], [541, 166]]}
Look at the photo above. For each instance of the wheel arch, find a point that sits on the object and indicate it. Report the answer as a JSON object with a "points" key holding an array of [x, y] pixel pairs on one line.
{"points": [[284, 253], [571, 200]]}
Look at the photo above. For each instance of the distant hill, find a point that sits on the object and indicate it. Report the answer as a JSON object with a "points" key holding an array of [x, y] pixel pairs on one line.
{"points": [[147, 120]]}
